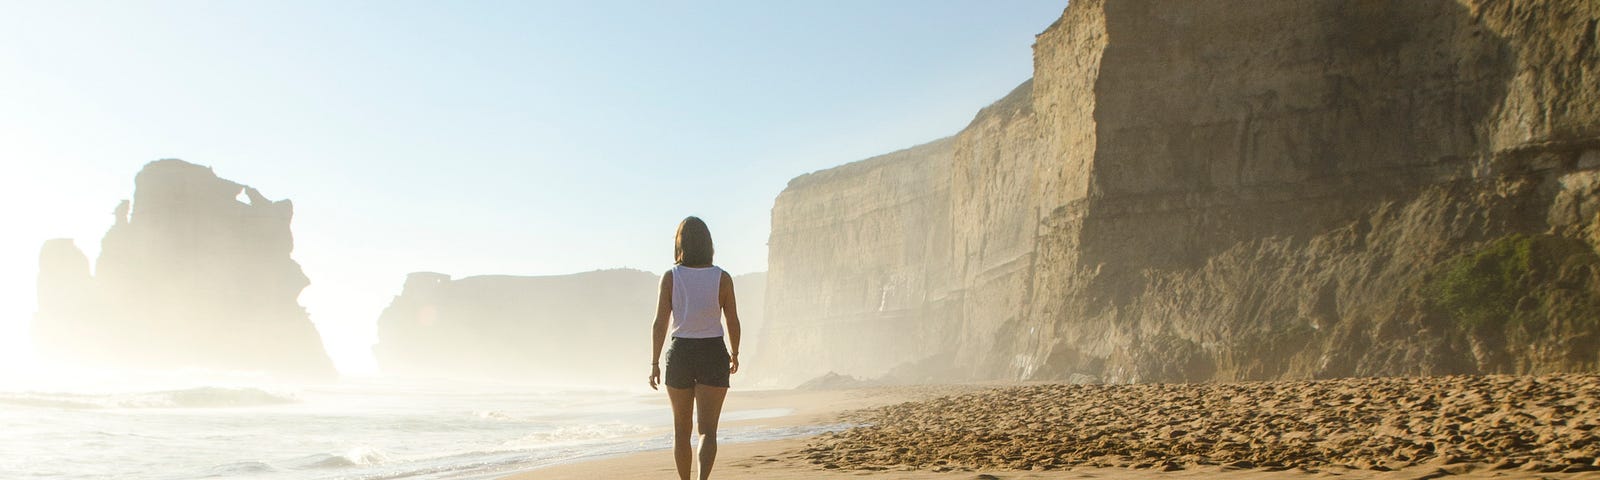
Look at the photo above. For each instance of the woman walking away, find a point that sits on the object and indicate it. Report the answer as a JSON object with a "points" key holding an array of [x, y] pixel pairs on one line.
{"points": [[697, 296]]}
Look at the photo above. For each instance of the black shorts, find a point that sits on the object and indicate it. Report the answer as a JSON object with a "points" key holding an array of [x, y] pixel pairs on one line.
{"points": [[697, 360]]}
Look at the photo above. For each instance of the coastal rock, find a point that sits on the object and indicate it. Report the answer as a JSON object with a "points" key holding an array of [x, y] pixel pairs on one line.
{"points": [[750, 291], [1192, 191], [833, 381], [65, 283], [858, 257], [189, 276], [586, 328]]}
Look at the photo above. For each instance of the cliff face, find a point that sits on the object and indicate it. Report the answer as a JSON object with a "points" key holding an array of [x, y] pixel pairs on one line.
{"points": [[1239, 190], [858, 264], [750, 291], [188, 276], [585, 328]]}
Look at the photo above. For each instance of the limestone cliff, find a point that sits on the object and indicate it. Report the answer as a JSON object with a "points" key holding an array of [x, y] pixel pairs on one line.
{"points": [[584, 328], [188, 277], [750, 291], [1231, 190], [856, 265]]}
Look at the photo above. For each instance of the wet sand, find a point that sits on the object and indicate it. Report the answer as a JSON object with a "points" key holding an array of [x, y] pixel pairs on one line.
{"points": [[1462, 427]]}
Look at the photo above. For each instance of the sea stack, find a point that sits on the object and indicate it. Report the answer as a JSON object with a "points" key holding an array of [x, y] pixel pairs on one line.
{"points": [[194, 273]]}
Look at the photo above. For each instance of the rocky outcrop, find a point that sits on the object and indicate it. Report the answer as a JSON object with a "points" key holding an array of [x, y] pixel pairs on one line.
{"points": [[1228, 190], [189, 276], [585, 328]]}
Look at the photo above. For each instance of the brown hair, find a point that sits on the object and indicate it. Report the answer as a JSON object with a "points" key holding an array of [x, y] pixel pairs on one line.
{"points": [[692, 247]]}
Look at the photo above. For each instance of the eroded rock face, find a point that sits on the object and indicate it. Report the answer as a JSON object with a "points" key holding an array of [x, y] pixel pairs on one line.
{"points": [[188, 277], [586, 328], [858, 259], [750, 291], [1234, 190]]}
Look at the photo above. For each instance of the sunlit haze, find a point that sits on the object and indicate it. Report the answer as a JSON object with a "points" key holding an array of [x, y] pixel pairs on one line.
{"points": [[469, 138], [1051, 239]]}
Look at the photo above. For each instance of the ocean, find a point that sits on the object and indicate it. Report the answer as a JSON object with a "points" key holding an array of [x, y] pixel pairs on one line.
{"points": [[356, 429]]}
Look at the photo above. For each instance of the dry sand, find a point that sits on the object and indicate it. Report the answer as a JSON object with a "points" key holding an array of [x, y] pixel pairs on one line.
{"points": [[1460, 427]]}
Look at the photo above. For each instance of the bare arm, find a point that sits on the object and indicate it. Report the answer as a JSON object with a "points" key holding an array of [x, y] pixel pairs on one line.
{"points": [[730, 310], [658, 330]]}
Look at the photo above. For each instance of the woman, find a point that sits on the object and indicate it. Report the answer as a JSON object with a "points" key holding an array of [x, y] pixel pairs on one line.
{"points": [[696, 295]]}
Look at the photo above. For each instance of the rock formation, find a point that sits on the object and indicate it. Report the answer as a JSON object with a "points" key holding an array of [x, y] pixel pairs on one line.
{"points": [[856, 261], [585, 328], [1191, 191], [188, 277], [750, 290]]}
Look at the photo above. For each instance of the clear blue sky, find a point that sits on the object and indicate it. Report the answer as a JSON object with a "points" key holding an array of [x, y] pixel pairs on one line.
{"points": [[514, 137]]}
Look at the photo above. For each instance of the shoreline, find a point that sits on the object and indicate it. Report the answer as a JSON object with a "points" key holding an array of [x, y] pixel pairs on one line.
{"points": [[1547, 424], [807, 409]]}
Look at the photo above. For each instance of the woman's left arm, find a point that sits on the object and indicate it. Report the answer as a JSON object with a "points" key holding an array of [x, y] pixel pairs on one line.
{"points": [[730, 311]]}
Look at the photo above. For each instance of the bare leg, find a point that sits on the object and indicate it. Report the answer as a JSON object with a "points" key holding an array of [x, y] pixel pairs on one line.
{"points": [[710, 400], [682, 426]]}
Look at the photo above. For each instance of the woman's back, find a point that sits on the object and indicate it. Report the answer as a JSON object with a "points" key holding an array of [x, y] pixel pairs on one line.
{"points": [[696, 302], [695, 299]]}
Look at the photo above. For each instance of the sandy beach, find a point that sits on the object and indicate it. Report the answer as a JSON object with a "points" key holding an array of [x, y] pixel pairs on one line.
{"points": [[1430, 427]]}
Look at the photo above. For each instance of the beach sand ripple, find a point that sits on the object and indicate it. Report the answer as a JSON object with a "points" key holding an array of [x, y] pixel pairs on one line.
{"points": [[1528, 423]]}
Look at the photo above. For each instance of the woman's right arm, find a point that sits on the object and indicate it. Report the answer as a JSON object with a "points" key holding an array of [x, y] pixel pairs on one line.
{"points": [[658, 330]]}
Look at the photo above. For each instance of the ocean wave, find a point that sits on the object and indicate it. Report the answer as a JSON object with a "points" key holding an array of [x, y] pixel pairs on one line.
{"points": [[358, 456], [234, 470], [201, 397], [575, 433], [496, 415]]}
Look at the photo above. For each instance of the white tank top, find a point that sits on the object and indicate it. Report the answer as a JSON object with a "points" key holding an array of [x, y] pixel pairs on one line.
{"points": [[696, 302]]}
